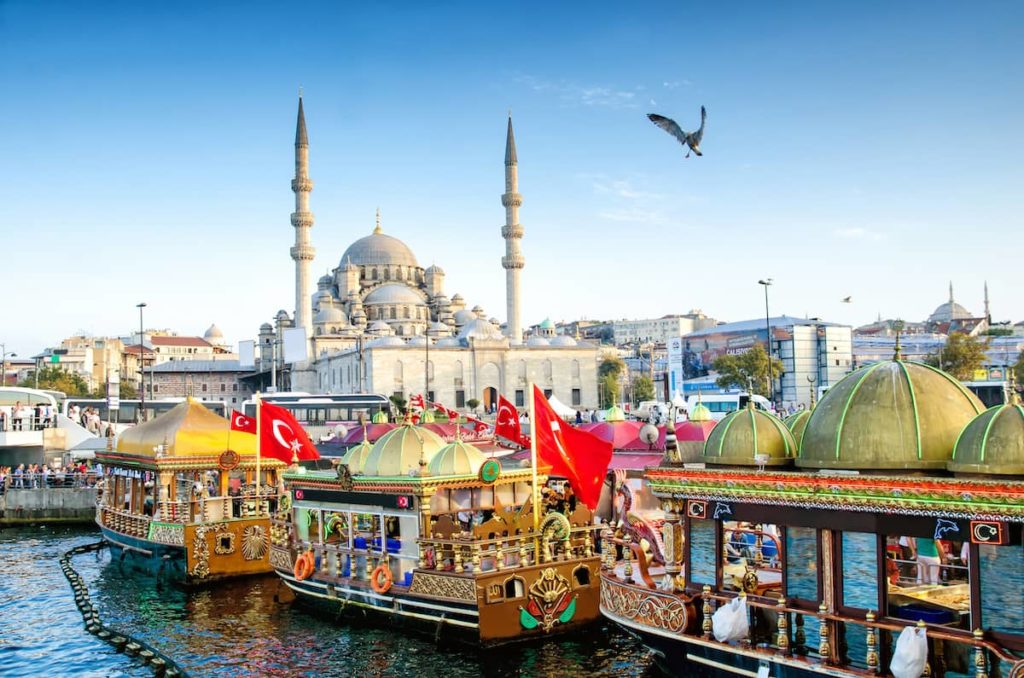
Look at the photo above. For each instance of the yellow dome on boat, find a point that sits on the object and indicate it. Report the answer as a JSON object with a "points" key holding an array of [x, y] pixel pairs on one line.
{"points": [[745, 434], [796, 423], [614, 413], [356, 457], [402, 450], [992, 443], [456, 459]]}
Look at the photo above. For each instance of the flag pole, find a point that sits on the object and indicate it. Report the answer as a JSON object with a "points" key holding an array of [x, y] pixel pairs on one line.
{"points": [[535, 496], [258, 445]]}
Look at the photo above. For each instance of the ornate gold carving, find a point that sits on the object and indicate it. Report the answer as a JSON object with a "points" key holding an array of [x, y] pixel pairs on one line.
{"points": [[167, 534], [649, 608], [224, 544], [201, 548], [280, 559], [442, 586], [254, 542]]}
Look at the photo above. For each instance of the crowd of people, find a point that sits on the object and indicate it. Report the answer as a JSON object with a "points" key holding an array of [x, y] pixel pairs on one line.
{"points": [[37, 476], [25, 417], [89, 418]]}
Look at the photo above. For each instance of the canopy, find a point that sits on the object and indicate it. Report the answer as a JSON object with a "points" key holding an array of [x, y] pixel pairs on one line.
{"points": [[623, 435], [373, 431], [186, 430], [560, 408]]}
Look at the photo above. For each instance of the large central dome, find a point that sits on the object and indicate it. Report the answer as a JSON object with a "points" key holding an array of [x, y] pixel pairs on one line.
{"points": [[380, 249]]}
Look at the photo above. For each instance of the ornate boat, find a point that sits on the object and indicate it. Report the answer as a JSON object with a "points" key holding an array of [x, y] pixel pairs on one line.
{"points": [[904, 509], [438, 538], [179, 497]]}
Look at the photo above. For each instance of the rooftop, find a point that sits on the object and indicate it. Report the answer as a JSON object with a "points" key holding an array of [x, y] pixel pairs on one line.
{"points": [[200, 366], [759, 323]]}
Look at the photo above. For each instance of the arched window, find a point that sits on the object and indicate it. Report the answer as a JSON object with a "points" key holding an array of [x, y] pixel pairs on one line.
{"points": [[582, 575], [400, 331], [575, 369], [514, 588], [374, 276], [399, 275], [394, 313], [406, 313], [387, 274]]}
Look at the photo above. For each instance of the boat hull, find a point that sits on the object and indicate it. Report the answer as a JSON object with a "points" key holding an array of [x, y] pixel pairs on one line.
{"points": [[163, 560]]}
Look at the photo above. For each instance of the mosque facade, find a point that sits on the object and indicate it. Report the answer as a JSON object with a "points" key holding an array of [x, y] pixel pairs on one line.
{"points": [[379, 322]]}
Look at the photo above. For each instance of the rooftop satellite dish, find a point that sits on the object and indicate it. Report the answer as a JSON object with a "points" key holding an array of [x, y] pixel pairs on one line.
{"points": [[649, 434]]}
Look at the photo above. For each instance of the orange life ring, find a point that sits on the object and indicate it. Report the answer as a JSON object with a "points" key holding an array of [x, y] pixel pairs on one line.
{"points": [[380, 578], [305, 565]]}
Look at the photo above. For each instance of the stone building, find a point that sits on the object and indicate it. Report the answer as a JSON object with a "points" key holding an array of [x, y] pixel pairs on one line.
{"points": [[204, 380]]}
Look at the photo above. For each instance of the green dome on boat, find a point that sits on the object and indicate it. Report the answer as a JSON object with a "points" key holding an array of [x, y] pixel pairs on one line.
{"points": [[401, 451], [456, 459], [380, 417], [890, 415], [700, 412], [427, 417], [743, 434], [614, 413], [992, 443], [356, 456], [796, 423]]}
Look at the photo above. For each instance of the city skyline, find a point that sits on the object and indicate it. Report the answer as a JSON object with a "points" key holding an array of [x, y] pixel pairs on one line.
{"points": [[847, 153]]}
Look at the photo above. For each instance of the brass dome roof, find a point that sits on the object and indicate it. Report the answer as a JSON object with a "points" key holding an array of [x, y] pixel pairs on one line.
{"points": [[796, 423], [700, 412], [456, 459], [748, 432], [402, 450], [356, 456], [890, 415], [992, 443]]}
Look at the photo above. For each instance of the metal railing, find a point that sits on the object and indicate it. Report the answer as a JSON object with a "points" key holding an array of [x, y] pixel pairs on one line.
{"points": [[42, 481], [9, 423]]}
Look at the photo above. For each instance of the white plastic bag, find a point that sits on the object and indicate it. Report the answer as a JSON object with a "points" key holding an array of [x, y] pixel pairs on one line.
{"points": [[911, 653], [730, 622]]}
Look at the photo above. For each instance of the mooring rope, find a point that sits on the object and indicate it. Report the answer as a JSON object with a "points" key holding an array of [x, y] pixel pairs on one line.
{"points": [[161, 664]]}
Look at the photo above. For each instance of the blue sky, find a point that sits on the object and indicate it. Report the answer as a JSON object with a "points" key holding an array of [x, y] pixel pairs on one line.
{"points": [[864, 149]]}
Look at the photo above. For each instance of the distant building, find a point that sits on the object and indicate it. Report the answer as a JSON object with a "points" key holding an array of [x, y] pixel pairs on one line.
{"points": [[815, 354], [204, 380], [659, 330]]}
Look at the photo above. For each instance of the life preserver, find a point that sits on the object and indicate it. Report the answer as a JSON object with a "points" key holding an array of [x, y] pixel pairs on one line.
{"points": [[305, 566], [380, 578]]}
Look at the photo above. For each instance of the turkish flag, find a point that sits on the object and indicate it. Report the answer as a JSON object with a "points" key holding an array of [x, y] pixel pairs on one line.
{"points": [[417, 401], [507, 423], [240, 422], [282, 437], [580, 457]]}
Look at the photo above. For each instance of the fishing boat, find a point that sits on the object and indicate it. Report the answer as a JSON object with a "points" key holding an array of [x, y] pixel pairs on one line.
{"points": [[439, 538], [180, 497], [888, 539]]}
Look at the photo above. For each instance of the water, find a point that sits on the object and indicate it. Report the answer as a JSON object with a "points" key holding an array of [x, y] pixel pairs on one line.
{"points": [[237, 629]]}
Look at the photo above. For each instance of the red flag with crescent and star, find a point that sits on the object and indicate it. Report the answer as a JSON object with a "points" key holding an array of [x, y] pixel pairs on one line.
{"points": [[507, 425], [580, 457], [240, 422], [281, 436]]}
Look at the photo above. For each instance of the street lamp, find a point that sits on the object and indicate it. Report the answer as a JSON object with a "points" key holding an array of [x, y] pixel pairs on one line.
{"points": [[3, 363], [142, 365], [768, 324]]}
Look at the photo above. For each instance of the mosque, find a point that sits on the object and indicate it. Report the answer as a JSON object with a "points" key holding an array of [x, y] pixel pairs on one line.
{"points": [[381, 323]]}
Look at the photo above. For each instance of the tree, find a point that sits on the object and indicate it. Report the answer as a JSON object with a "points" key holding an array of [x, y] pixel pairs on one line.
{"points": [[741, 370], [608, 388], [472, 404], [643, 389], [613, 365], [399, 403], [53, 378], [961, 356], [1018, 369]]}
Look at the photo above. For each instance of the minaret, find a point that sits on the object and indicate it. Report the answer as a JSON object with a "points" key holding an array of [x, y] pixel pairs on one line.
{"points": [[512, 232], [302, 219], [988, 315], [950, 292]]}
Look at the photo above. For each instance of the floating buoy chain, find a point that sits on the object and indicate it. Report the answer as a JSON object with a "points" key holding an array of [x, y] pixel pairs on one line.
{"points": [[122, 642]]}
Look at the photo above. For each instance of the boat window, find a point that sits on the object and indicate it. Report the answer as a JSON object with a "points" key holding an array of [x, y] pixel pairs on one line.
{"points": [[1001, 573], [752, 555], [582, 575], [802, 563], [928, 580], [860, 570], [702, 558], [514, 588]]}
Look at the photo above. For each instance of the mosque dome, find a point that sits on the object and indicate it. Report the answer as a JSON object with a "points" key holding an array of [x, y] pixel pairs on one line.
{"points": [[401, 451], [614, 413], [330, 314], [266, 327], [322, 298], [743, 434], [393, 293], [547, 324], [325, 281], [381, 342], [479, 311], [214, 335], [356, 456], [379, 327], [537, 342], [464, 316], [890, 415], [796, 423], [992, 443], [949, 311], [456, 459], [700, 412], [563, 340], [447, 342], [438, 329], [435, 269], [380, 249], [479, 329]]}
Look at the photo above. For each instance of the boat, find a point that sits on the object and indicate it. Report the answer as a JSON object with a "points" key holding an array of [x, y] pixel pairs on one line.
{"points": [[438, 538], [898, 515], [179, 497]]}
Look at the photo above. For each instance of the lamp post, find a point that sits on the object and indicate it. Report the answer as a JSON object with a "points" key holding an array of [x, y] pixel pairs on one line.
{"points": [[768, 324], [142, 365], [3, 363]]}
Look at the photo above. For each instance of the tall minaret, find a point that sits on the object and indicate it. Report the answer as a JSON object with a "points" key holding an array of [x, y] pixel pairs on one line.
{"points": [[512, 232], [302, 219], [988, 315]]}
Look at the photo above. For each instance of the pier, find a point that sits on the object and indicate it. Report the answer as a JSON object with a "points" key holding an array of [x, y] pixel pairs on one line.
{"points": [[33, 498]]}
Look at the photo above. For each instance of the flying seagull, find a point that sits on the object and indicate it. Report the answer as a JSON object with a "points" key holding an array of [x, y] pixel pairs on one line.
{"points": [[689, 139], [847, 300]]}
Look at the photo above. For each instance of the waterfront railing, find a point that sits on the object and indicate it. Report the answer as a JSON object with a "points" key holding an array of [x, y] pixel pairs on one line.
{"points": [[40, 481]]}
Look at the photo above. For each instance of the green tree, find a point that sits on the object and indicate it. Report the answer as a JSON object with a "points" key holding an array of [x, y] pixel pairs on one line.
{"points": [[740, 370], [472, 404], [643, 389], [608, 388], [612, 365], [399, 403], [1018, 369], [961, 356], [53, 378]]}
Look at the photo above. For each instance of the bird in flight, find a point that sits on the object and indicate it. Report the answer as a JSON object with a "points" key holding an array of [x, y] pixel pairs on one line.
{"points": [[847, 300], [689, 139]]}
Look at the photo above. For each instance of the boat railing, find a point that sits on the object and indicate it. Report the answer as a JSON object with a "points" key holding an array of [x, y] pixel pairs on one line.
{"points": [[468, 555], [125, 522]]}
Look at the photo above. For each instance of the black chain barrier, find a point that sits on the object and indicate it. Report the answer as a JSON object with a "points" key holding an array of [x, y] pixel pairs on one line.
{"points": [[161, 664]]}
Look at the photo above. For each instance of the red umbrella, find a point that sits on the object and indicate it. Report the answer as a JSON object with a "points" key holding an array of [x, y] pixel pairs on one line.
{"points": [[445, 431], [373, 431], [694, 431], [623, 435]]}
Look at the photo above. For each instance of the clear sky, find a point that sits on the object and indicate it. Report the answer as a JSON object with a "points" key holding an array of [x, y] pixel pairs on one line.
{"points": [[869, 149]]}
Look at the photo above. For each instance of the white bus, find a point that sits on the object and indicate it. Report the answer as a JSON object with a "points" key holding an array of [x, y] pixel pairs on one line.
{"points": [[128, 413], [320, 414], [721, 404]]}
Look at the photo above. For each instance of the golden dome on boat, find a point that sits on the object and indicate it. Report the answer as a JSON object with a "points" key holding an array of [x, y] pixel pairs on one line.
{"points": [[746, 434], [402, 450], [992, 443], [356, 456], [186, 430], [890, 415], [456, 459], [796, 423], [700, 412], [614, 413]]}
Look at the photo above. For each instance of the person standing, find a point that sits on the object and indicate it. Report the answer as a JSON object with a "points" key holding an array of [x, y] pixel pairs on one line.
{"points": [[929, 560]]}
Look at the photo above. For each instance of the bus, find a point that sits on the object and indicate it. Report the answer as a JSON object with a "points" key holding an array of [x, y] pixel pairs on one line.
{"points": [[721, 404], [321, 414], [128, 414]]}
